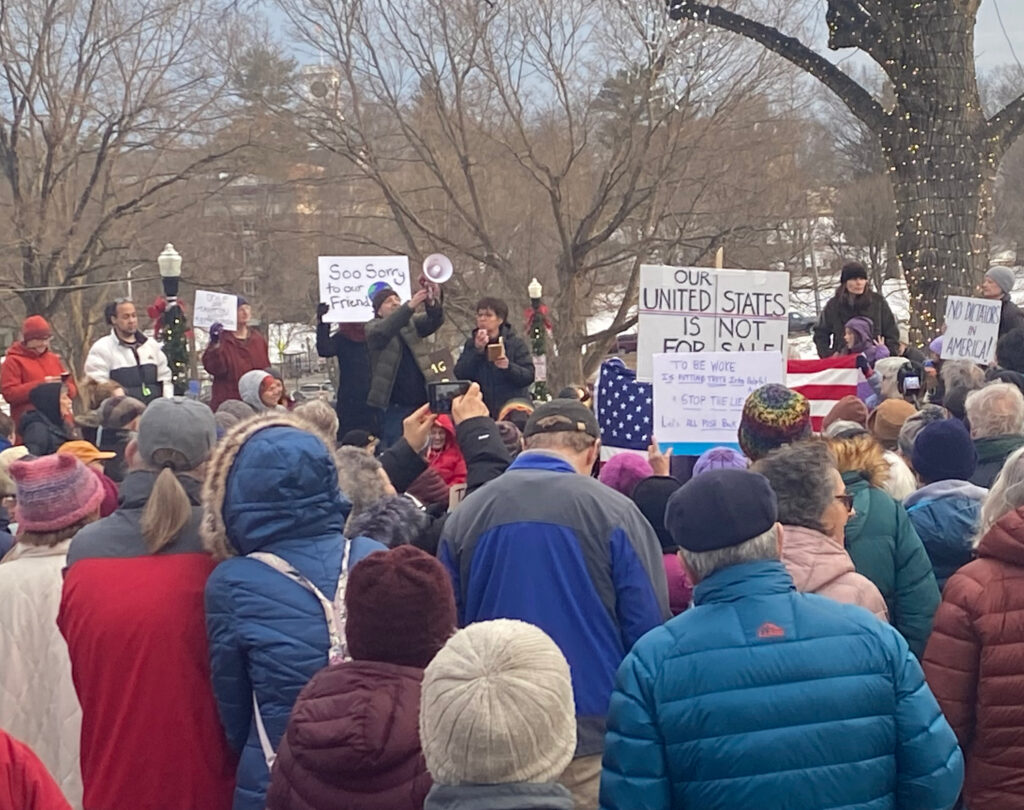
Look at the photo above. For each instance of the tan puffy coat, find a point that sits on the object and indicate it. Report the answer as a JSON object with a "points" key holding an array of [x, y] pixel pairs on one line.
{"points": [[820, 565]]}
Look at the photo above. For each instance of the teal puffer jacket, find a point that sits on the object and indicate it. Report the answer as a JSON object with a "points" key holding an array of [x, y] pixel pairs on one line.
{"points": [[885, 547], [762, 697]]}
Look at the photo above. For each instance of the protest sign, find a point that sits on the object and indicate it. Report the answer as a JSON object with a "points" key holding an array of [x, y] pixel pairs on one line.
{"points": [[345, 282], [972, 329], [698, 309], [215, 307], [698, 398], [442, 366]]}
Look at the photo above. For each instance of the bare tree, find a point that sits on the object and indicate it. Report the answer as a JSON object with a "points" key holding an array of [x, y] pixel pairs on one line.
{"points": [[570, 140], [940, 150], [106, 107]]}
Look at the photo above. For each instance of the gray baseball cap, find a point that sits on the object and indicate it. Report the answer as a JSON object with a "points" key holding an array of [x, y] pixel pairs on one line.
{"points": [[180, 424]]}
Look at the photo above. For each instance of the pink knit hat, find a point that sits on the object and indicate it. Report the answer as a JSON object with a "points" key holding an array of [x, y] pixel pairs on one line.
{"points": [[54, 492], [624, 471]]}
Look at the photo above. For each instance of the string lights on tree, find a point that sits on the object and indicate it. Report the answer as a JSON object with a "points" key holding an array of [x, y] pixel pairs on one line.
{"points": [[941, 152]]}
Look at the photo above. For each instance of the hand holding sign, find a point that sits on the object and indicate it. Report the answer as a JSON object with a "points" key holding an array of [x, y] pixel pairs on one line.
{"points": [[214, 307], [345, 282]]}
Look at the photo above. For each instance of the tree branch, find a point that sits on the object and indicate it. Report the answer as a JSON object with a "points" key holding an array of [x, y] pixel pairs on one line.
{"points": [[859, 100], [1007, 125]]}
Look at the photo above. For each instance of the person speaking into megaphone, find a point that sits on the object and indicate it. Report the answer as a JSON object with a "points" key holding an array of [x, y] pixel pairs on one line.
{"points": [[399, 357], [496, 357]]}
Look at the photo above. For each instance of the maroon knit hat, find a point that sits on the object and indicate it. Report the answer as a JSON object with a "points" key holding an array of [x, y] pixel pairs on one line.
{"points": [[54, 492], [849, 409], [35, 327], [400, 608]]}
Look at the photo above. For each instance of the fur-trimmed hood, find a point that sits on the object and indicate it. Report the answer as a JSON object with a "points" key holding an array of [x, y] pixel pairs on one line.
{"points": [[863, 455], [284, 486]]}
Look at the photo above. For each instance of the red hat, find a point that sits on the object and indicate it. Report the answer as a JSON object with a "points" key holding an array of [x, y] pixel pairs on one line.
{"points": [[400, 608], [35, 327]]}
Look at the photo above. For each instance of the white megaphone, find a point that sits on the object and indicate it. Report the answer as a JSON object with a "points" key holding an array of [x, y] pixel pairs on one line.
{"points": [[437, 268]]}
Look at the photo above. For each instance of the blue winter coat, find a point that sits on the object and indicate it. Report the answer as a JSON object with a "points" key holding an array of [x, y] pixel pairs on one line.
{"points": [[762, 697], [945, 515], [267, 633], [560, 550]]}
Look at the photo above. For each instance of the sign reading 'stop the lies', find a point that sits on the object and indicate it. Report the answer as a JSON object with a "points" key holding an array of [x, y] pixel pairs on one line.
{"points": [[345, 282], [699, 309]]}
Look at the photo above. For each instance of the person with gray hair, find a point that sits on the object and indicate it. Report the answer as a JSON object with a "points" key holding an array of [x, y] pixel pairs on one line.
{"points": [[734, 702], [362, 479], [914, 425], [996, 416], [321, 417], [813, 510], [973, 660]]}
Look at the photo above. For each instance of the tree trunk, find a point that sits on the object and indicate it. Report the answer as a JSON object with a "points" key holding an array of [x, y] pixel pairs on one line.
{"points": [[942, 166]]}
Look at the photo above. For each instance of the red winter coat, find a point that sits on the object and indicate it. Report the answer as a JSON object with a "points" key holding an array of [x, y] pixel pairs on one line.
{"points": [[974, 663], [353, 743], [25, 784], [230, 358], [22, 371], [136, 632], [448, 461]]}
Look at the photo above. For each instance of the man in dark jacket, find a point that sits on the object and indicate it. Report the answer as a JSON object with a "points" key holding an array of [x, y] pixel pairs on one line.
{"points": [[348, 344], [503, 373], [547, 544], [733, 703], [852, 299], [998, 284], [996, 416], [399, 357]]}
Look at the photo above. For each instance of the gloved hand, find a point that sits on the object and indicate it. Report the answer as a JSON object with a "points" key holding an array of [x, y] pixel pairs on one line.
{"points": [[862, 364], [215, 332], [321, 310]]}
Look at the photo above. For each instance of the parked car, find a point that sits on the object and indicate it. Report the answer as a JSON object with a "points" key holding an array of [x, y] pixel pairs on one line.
{"points": [[801, 324], [308, 391]]}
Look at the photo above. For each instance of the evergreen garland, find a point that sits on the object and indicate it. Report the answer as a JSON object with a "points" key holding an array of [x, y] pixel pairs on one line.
{"points": [[175, 343]]}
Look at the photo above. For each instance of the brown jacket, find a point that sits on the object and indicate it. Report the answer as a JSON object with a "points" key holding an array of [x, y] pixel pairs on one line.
{"points": [[975, 665]]}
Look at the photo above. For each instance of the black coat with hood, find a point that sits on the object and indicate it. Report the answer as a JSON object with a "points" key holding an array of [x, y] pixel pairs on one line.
{"points": [[44, 430], [829, 331]]}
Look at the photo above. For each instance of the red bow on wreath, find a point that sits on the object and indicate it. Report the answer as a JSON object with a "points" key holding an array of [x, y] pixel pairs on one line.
{"points": [[529, 314], [156, 312]]}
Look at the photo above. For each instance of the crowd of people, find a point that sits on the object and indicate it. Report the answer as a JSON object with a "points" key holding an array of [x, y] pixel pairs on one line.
{"points": [[264, 606]]}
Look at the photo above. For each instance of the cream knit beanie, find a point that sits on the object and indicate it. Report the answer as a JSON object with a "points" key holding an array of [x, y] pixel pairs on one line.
{"points": [[497, 707]]}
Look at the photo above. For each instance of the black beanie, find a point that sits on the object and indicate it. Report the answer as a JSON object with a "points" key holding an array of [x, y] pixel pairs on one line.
{"points": [[852, 270], [651, 496], [379, 297]]}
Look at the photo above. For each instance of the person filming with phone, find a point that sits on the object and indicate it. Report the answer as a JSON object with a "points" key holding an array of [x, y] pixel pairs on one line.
{"points": [[495, 357], [399, 355]]}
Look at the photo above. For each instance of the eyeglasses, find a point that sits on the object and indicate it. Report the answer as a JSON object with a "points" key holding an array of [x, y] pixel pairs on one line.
{"points": [[846, 501]]}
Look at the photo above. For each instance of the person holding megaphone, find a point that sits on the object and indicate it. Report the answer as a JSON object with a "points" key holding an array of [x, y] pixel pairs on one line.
{"points": [[399, 355]]}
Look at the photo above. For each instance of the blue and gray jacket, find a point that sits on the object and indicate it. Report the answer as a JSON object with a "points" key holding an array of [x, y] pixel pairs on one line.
{"points": [[564, 552], [946, 515]]}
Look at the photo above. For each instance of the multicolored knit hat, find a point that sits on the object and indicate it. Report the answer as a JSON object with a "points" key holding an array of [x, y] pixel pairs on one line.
{"points": [[773, 415], [54, 492]]}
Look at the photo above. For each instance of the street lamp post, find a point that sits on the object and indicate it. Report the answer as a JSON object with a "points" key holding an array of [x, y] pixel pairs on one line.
{"points": [[173, 324], [538, 332]]}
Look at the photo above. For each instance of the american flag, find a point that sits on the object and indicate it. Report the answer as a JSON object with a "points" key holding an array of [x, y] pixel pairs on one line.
{"points": [[823, 382], [625, 409]]}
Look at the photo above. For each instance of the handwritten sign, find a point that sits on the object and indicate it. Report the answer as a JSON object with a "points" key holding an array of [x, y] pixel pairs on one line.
{"points": [[972, 329], [215, 307], [699, 397], [345, 282], [698, 309]]}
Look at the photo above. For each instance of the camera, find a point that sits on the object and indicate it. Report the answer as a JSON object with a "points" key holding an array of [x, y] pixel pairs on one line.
{"points": [[441, 394], [911, 383]]}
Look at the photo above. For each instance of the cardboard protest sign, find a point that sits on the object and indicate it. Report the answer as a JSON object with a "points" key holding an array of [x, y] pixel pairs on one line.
{"points": [[698, 309], [442, 366], [345, 282], [972, 329], [698, 398], [215, 307]]}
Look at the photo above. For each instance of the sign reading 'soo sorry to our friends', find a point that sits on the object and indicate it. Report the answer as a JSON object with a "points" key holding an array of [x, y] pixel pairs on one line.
{"points": [[699, 398], [698, 309], [972, 329], [345, 282]]}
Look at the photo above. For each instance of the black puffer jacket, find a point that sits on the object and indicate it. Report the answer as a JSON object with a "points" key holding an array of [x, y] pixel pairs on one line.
{"points": [[498, 385], [830, 328]]}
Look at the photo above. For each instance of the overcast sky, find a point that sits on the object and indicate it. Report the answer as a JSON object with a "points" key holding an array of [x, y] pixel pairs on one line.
{"points": [[990, 43]]}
